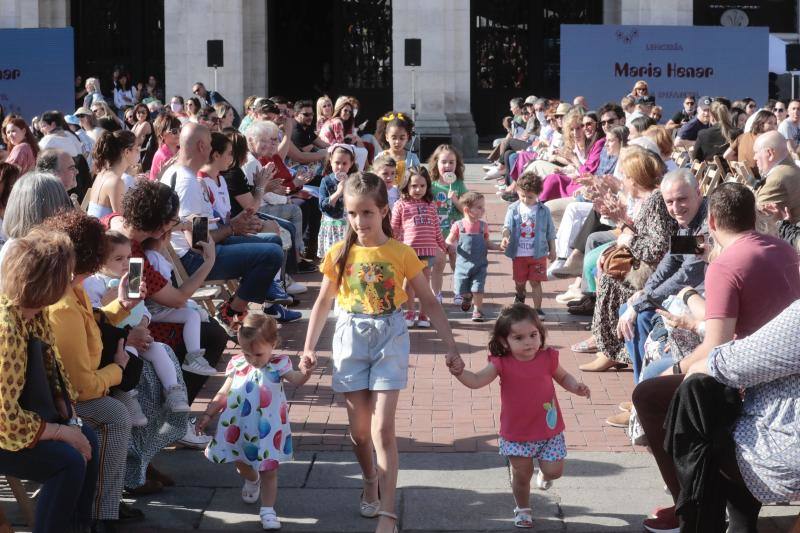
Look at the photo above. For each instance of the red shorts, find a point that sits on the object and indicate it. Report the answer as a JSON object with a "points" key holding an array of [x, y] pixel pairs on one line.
{"points": [[529, 269]]}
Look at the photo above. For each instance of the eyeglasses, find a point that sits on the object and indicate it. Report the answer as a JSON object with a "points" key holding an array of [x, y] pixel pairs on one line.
{"points": [[609, 122], [174, 131], [307, 114], [779, 110], [751, 104]]}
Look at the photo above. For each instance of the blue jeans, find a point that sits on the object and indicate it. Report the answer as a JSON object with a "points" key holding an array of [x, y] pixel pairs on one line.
{"points": [[68, 481], [291, 254], [654, 369], [252, 259], [635, 347]]}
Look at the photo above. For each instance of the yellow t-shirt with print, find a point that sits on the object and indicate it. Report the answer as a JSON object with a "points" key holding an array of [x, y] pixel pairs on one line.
{"points": [[374, 276]]}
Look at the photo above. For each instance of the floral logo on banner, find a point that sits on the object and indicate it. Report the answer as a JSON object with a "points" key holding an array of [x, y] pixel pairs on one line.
{"points": [[627, 37]]}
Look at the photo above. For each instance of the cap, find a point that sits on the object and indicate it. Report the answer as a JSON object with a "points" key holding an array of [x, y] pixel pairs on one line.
{"points": [[704, 101], [530, 100], [82, 111], [562, 109], [645, 100], [72, 119]]}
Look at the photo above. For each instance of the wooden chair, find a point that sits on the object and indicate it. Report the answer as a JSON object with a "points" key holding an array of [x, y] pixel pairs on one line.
{"points": [[23, 500], [682, 157], [699, 169]]}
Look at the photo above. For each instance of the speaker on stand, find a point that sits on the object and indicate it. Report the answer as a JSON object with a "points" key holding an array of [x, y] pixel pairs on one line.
{"points": [[214, 57]]}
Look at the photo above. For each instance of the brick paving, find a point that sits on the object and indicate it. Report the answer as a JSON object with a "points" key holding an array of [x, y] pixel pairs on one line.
{"points": [[436, 412]]}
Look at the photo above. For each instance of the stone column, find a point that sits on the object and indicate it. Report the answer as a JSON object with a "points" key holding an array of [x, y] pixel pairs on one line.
{"points": [[645, 12], [188, 24], [19, 14], [443, 79]]}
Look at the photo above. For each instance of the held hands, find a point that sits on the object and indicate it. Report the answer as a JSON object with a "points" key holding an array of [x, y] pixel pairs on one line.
{"points": [[454, 362], [504, 243], [308, 362]]}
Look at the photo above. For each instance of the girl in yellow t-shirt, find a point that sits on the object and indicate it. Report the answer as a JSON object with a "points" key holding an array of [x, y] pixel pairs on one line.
{"points": [[365, 273]]}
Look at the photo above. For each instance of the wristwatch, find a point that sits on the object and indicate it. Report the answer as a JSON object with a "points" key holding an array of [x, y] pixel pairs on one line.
{"points": [[75, 421], [688, 294], [676, 369]]}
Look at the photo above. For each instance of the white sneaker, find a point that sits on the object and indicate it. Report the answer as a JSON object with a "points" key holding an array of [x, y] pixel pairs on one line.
{"points": [[130, 402], [251, 490], [294, 288], [457, 299], [191, 439], [558, 263], [195, 363], [490, 166], [541, 483], [175, 399], [269, 520], [493, 174]]}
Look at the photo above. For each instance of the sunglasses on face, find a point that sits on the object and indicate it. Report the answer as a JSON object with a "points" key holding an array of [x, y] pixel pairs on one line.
{"points": [[779, 110], [174, 131], [610, 122]]}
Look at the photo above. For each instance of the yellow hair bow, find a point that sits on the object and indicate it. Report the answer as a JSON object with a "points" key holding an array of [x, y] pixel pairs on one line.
{"points": [[391, 117]]}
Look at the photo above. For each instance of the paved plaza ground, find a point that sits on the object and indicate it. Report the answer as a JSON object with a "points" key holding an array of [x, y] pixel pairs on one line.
{"points": [[451, 478]]}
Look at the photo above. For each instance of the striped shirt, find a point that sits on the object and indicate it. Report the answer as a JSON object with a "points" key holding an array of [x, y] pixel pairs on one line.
{"points": [[416, 223]]}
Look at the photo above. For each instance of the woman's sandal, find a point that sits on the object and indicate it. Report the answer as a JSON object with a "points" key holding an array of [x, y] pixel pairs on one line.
{"points": [[251, 490], [601, 363], [393, 516], [367, 509], [584, 347], [523, 518]]}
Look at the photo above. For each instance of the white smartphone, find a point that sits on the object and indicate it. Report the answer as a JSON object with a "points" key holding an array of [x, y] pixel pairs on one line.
{"points": [[135, 267]]}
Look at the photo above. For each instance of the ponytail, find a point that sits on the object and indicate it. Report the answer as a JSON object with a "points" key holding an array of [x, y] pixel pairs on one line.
{"points": [[109, 148], [362, 184]]}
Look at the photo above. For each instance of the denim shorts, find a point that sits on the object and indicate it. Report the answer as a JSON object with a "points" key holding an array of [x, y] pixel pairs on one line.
{"points": [[370, 352]]}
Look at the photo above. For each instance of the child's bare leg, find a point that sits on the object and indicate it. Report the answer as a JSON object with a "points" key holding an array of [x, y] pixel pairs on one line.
{"points": [[477, 299], [411, 304], [269, 488], [246, 471], [520, 288], [359, 415], [385, 442], [427, 272], [521, 474], [437, 276], [536, 293], [551, 469]]}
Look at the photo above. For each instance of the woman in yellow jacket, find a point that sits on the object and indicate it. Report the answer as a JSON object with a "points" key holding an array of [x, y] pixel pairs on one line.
{"points": [[41, 438], [79, 342]]}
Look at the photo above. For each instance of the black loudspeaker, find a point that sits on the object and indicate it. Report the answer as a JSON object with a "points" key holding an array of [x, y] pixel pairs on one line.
{"points": [[414, 52], [792, 57], [214, 53]]}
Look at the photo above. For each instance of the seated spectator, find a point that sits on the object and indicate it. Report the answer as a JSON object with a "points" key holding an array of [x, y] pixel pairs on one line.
{"points": [[790, 126], [646, 235], [304, 136], [341, 129], [192, 107], [21, 142], [209, 98], [754, 278], [656, 113], [324, 111], [46, 444], [714, 140], [741, 149], [167, 129], [687, 206], [249, 113], [683, 116], [780, 173], [642, 106], [149, 210], [240, 254], [59, 164], [687, 134], [58, 135], [176, 108], [9, 174], [225, 115], [113, 154], [77, 337], [751, 387]]}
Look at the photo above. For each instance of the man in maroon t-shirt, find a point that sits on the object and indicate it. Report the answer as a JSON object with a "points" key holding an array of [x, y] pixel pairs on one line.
{"points": [[754, 278]]}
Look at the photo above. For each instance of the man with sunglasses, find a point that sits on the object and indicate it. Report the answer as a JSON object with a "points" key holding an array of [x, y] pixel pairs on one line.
{"points": [[303, 135], [611, 115], [209, 98], [683, 116]]}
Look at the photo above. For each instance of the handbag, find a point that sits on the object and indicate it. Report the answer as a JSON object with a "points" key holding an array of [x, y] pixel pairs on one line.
{"points": [[110, 336], [36, 395], [617, 261]]}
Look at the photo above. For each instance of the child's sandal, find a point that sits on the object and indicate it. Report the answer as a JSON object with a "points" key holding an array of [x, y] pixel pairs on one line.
{"points": [[466, 301], [370, 509], [523, 518], [251, 490], [393, 516]]}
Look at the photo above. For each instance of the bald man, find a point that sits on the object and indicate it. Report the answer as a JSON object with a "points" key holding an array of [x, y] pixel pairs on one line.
{"points": [[781, 175]]}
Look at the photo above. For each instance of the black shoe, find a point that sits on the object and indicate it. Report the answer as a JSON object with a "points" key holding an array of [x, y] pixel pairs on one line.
{"points": [[519, 299], [587, 297], [306, 267], [540, 312], [585, 307], [128, 513], [509, 197], [105, 526]]}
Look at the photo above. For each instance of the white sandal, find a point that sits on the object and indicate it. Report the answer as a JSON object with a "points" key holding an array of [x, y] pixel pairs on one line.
{"points": [[393, 516], [269, 520], [251, 490], [370, 509], [523, 518], [541, 482]]}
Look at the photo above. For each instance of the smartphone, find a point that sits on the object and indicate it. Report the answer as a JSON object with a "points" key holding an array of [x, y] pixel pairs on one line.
{"points": [[199, 230], [655, 304], [686, 244], [135, 267]]}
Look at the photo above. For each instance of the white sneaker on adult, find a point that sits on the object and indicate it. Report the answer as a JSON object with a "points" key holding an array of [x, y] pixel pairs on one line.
{"points": [[558, 263], [175, 399], [490, 166], [191, 439], [293, 287], [128, 399], [493, 174]]}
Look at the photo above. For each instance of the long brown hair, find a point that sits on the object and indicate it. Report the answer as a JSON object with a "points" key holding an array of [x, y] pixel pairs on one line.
{"points": [[509, 316], [19, 122], [362, 184], [433, 162]]}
